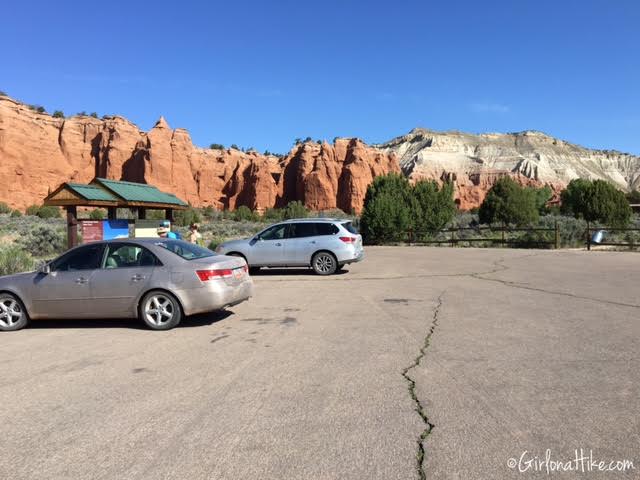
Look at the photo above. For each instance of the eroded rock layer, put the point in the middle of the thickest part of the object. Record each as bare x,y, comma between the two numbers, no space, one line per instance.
38,152
475,162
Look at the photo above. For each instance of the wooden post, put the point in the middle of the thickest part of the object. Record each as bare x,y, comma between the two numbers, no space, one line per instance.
503,228
169,214
72,226
142,213
112,213
453,237
557,232
588,236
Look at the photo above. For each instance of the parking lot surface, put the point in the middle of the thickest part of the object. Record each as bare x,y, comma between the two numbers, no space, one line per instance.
491,352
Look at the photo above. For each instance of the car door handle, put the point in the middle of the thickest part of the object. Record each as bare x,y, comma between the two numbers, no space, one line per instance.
137,278
312,241
278,244
81,280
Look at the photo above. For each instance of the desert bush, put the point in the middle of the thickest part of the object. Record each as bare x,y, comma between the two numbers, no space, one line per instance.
572,230
244,214
542,196
211,213
216,146
273,215
44,240
214,242
155,215
16,213
14,260
43,211
58,114
596,201
184,218
4,208
295,209
433,207
508,202
125,214
388,207
332,213
98,214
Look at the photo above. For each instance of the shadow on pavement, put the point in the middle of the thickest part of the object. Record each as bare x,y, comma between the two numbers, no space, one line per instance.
199,320
265,272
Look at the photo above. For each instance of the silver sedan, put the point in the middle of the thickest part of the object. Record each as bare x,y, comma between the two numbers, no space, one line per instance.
156,280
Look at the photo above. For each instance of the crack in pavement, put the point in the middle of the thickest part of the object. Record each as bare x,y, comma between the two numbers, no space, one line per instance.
501,267
429,426
498,267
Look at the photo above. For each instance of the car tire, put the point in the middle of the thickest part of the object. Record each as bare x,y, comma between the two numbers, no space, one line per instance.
160,310
324,263
13,315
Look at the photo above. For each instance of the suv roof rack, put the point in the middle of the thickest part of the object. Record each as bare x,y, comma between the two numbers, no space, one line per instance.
316,219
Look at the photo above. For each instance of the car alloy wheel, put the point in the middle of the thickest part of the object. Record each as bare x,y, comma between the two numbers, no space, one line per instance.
324,263
159,310
12,313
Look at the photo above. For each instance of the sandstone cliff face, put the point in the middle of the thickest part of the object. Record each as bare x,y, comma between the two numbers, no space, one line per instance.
475,162
38,152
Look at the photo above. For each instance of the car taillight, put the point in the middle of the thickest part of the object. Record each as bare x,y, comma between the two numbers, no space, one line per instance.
206,275
348,239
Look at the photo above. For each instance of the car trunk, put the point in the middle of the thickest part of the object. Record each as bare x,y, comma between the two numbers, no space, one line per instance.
236,265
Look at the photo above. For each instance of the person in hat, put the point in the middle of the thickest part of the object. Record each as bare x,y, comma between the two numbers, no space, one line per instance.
164,231
194,235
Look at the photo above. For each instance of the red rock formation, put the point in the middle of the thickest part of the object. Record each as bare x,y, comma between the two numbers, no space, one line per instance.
38,152
327,176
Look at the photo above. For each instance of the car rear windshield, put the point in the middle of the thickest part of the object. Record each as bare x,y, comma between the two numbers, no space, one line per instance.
350,228
188,251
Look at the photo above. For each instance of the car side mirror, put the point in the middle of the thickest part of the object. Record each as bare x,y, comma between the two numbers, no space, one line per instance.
45,269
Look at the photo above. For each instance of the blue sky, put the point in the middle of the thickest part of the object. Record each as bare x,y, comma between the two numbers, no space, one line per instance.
262,73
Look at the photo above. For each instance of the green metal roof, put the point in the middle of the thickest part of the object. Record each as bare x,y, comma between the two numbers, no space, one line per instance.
90,192
139,192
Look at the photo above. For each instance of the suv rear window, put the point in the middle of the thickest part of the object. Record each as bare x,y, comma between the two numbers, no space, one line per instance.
299,230
326,229
348,226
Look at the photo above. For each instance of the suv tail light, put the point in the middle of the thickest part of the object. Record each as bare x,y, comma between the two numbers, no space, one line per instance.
348,239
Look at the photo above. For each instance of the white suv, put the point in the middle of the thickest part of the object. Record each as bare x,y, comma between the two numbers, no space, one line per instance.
324,244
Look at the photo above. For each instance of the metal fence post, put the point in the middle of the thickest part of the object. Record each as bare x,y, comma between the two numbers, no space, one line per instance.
588,236
503,229
453,236
557,232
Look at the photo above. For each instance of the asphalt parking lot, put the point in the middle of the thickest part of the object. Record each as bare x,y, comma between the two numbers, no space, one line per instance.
522,351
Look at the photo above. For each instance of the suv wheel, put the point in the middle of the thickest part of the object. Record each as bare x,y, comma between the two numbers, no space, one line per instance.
324,263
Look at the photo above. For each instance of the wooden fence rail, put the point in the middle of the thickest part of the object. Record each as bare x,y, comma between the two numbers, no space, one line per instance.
418,237
591,230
